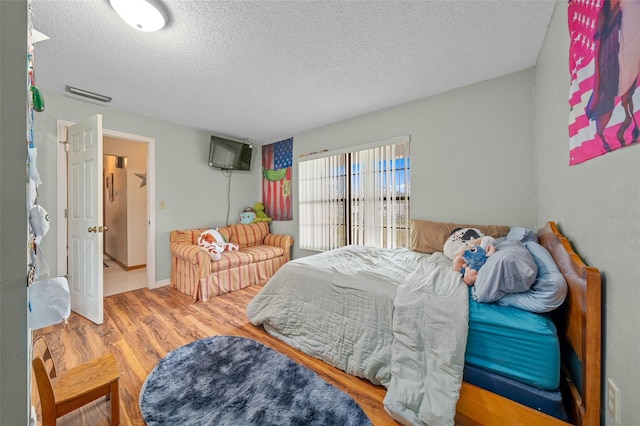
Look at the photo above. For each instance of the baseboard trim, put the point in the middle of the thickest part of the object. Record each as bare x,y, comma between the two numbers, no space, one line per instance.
162,283
123,266
131,268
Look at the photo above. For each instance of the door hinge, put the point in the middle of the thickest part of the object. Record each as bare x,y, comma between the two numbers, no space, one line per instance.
66,214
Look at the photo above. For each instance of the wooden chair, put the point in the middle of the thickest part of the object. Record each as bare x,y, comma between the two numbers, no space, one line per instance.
71,389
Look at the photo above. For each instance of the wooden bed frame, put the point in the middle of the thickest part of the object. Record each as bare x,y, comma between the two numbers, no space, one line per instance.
579,327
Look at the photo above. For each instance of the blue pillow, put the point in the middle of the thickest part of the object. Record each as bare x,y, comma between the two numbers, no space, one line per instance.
547,292
511,269
518,233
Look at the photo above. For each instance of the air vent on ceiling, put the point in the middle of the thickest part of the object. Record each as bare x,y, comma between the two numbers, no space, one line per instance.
87,94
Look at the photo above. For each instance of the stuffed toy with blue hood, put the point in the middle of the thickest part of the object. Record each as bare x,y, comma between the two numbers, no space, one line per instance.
472,256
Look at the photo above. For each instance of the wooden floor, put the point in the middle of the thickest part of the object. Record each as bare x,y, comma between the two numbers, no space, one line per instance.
140,327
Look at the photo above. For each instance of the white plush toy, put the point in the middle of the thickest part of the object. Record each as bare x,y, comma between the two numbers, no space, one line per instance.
215,243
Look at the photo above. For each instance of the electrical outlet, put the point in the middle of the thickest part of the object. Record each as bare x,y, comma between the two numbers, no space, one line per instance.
613,400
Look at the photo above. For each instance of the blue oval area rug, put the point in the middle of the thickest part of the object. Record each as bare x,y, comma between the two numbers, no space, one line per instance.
231,380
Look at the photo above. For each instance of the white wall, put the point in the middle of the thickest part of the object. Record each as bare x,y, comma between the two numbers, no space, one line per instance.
194,194
471,152
460,141
597,205
136,219
115,210
14,359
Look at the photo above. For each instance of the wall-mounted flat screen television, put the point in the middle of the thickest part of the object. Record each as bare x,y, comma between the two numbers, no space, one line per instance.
227,154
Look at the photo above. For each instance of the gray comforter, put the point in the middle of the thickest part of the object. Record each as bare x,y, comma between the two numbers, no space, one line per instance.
393,316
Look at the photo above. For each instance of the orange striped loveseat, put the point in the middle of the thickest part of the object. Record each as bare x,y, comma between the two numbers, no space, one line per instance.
260,255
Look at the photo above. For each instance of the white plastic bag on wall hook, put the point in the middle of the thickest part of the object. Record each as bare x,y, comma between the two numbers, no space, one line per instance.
49,302
39,221
31,164
32,194
42,267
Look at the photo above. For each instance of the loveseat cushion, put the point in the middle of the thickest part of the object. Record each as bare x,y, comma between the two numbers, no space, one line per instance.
225,231
231,259
187,236
247,235
263,252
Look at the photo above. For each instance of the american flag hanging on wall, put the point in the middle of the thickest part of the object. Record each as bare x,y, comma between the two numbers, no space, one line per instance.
604,60
277,160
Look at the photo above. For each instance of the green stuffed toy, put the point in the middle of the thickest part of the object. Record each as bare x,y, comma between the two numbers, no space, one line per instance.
261,216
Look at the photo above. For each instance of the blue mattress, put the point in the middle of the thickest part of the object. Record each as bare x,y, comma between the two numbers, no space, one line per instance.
549,402
513,343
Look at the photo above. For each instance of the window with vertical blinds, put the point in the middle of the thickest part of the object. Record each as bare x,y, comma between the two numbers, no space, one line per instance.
358,197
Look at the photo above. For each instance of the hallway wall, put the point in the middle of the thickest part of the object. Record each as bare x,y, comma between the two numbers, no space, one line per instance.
125,206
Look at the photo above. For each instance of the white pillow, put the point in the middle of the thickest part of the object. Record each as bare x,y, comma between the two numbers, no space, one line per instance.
458,238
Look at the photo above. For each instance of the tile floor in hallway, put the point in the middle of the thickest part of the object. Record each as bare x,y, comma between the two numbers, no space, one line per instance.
117,280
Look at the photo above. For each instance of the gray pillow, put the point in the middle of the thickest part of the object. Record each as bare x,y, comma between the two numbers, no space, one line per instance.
511,269
547,292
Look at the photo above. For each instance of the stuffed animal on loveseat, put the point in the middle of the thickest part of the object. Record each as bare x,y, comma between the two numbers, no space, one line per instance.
247,216
261,215
472,256
215,243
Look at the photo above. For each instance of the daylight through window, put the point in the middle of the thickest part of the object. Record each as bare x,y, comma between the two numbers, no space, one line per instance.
359,197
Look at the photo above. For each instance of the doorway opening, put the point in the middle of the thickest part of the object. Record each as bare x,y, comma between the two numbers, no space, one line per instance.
124,215
129,261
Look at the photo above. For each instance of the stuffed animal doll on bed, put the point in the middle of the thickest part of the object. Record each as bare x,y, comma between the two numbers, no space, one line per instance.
215,243
472,256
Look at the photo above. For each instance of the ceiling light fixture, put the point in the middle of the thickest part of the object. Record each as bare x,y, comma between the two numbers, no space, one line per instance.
87,94
143,15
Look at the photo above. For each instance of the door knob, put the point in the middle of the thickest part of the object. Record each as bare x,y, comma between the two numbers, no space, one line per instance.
106,228
97,228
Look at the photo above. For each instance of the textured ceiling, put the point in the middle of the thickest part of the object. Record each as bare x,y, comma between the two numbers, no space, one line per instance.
267,70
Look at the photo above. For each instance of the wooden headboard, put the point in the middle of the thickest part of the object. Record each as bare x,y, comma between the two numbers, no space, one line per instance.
579,324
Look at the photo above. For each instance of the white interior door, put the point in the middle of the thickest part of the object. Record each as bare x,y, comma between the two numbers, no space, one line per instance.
85,231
